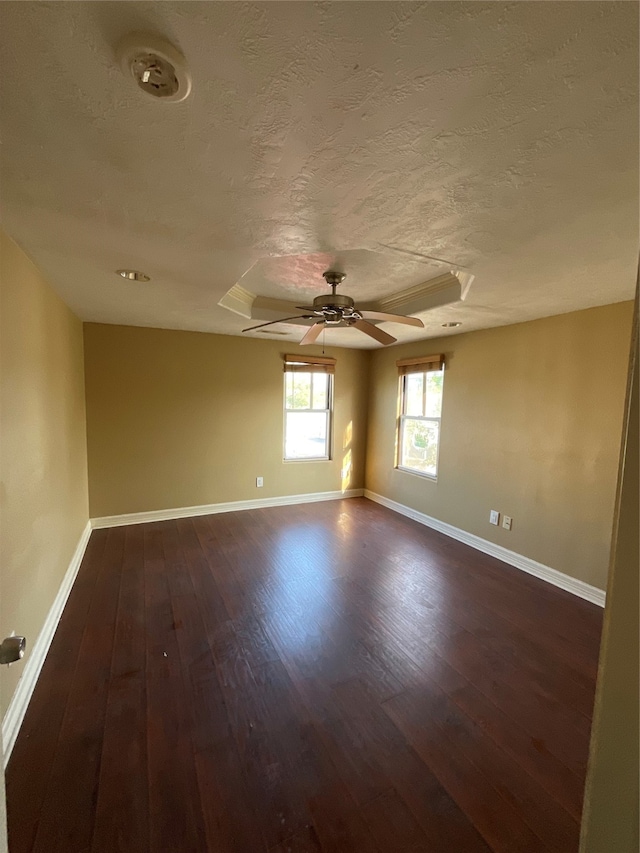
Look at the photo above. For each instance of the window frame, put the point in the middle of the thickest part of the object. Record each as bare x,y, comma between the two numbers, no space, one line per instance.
403,418
328,412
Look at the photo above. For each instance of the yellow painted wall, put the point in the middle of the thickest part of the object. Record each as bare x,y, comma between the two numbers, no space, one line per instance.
531,425
180,419
43,459
611,807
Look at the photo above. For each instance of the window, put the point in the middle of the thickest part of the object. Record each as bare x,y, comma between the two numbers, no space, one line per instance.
308,393
420,406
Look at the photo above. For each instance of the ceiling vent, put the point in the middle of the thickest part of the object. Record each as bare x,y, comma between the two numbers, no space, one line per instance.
157,67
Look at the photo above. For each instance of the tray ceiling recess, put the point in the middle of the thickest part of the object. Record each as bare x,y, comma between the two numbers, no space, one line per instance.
387,282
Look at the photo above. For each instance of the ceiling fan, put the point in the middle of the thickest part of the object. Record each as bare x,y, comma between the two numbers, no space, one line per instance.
332,309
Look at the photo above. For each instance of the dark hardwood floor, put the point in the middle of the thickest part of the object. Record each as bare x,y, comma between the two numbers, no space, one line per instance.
323,677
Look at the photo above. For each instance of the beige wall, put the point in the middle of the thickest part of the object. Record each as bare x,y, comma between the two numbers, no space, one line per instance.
531,426
182,418
610,821
43,460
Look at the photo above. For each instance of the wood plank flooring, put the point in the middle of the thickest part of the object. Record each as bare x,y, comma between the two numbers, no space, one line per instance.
323,677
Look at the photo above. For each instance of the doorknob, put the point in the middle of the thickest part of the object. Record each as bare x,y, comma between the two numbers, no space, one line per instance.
12,649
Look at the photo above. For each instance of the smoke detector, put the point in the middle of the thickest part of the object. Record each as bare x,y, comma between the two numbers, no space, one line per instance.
134,275
157,67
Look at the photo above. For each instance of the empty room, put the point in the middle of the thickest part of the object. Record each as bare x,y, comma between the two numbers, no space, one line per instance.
319,427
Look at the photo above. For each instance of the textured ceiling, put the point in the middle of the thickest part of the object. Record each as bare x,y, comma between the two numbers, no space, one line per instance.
499,137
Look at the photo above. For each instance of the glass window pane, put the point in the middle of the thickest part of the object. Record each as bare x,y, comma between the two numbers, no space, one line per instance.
320,391
434,393
419,445
300,397
306,435
288,390
414,383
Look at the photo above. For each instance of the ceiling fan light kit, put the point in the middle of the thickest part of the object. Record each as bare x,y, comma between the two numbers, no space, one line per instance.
337,309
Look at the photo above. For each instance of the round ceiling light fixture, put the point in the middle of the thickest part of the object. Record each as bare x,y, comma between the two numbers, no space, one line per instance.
157,67
134,275
451,325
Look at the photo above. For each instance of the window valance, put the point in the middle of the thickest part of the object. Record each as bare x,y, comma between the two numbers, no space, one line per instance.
421,364
309,364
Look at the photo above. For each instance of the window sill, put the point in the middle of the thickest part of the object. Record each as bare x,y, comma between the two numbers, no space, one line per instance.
309,459
423,474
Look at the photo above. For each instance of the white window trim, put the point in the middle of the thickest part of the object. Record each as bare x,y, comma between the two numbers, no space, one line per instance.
400,434
328,412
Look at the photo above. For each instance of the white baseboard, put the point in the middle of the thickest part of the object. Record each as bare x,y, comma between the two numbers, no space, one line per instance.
211,509
546,573
20,700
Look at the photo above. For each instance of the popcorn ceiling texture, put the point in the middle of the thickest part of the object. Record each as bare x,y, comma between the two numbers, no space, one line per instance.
372,274
499,136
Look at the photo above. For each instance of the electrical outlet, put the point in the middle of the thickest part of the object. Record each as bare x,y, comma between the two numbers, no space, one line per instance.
506,522
494,517
259,482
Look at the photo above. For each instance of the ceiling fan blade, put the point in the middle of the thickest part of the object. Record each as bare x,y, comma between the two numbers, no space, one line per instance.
312,334
374,332
307,308
283,320
392,318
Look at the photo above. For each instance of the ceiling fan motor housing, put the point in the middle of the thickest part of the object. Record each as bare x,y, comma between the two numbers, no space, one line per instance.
338,306
333,301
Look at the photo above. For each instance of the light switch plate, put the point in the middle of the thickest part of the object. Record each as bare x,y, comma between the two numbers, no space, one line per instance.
494,517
